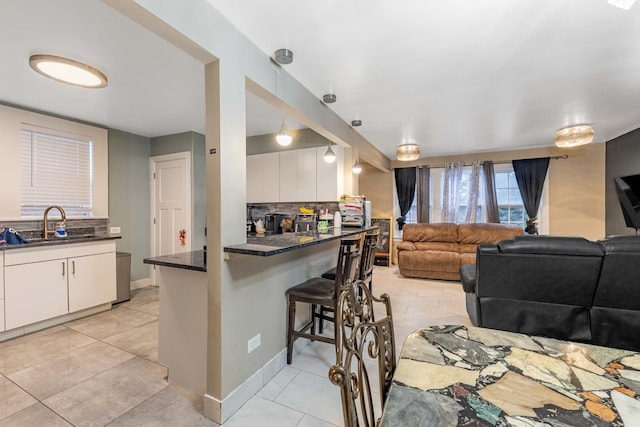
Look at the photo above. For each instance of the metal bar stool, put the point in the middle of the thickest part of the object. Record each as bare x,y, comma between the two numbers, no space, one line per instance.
318,291
365,269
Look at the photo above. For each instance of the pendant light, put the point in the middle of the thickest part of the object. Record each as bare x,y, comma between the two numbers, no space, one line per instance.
283,57
329,156
356,167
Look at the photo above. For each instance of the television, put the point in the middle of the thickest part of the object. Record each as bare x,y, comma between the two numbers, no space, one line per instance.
628,191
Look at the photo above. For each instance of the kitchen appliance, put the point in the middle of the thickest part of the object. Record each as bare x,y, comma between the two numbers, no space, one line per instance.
306,222
355,211
272,222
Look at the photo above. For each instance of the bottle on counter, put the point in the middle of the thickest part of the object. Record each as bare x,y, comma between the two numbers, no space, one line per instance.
337,220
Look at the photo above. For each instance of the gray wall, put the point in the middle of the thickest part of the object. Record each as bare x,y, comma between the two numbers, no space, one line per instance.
129,197
194,143
622,158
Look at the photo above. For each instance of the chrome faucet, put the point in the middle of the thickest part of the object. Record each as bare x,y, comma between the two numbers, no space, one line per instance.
45,228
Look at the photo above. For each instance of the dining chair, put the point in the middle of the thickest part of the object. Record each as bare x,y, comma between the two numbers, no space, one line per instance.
365,354
318,291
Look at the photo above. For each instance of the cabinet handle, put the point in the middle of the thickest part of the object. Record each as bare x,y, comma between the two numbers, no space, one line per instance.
73,267
63,268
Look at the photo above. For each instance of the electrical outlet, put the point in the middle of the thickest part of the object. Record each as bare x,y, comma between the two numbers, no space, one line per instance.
114,230
253,343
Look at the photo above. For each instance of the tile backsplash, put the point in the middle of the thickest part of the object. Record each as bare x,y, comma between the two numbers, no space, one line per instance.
257,211
30,229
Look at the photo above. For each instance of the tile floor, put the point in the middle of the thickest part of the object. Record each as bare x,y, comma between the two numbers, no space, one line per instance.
103,369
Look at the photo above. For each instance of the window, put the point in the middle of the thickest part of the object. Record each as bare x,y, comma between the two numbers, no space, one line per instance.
510,206
56,170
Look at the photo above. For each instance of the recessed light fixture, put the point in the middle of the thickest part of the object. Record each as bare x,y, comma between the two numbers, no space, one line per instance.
408,152
574,135
329,98
68,71
356,123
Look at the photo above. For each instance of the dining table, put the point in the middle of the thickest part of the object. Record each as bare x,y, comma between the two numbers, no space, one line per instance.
453,375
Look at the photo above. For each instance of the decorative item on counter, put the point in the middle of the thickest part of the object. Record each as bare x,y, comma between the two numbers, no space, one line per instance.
286,224
323,227
306,211
61,229
337,220
182,236
260,229
9,236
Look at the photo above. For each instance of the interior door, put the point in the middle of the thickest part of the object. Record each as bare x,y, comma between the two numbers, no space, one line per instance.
171,202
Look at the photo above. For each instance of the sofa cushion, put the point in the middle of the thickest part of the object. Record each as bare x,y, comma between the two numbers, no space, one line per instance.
467,258
443,261
475,233
436,246
406,246
439,232
550,245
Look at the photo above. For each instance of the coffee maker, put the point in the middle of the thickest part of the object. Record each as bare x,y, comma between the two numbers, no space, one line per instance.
272,222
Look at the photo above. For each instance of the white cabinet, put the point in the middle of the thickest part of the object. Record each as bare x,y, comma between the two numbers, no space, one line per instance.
46,282
35,292
92,281
330,176
298,175
263,177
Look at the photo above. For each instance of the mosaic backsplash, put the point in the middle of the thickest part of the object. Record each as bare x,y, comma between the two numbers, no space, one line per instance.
30,229
257,211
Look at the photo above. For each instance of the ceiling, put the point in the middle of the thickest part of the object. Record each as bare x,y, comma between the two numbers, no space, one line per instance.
454,76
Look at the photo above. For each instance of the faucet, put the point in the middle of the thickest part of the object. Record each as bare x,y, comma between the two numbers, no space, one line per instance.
45,228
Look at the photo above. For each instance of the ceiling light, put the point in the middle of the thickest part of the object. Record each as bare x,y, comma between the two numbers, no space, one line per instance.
622,4
356,167
329,156
283,56
284,137
408,152
356,123
68,71
329,98
574,136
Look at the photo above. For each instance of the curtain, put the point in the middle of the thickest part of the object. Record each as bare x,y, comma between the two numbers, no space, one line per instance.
405,188
491,198
472,197
530,175
451,192
424,196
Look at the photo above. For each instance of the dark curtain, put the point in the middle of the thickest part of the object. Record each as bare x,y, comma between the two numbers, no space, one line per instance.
491,201
530,175
424,189
405,188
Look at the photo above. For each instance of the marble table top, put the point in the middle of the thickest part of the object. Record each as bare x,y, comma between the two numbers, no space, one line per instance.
468,376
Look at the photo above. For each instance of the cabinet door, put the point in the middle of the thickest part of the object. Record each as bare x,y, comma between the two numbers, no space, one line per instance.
92,280
35,292
307,167
289,176
263,177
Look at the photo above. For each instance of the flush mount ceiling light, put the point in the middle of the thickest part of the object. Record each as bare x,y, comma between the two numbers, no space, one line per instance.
622,4
68,71
356,167
356,123
329,156
329,98
408,152
574,136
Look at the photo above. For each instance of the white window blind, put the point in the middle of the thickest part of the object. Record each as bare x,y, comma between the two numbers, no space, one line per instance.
56,170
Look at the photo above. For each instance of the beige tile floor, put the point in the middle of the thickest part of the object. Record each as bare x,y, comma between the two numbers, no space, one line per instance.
103,369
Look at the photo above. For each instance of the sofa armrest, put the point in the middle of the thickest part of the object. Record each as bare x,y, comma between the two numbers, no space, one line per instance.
406,246
468,277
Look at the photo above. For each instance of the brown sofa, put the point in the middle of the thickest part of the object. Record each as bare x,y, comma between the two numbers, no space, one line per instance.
436,251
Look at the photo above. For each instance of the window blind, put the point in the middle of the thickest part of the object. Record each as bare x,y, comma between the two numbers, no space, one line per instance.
56,170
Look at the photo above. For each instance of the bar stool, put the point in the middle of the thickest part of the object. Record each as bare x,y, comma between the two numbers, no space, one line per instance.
365,269
318,291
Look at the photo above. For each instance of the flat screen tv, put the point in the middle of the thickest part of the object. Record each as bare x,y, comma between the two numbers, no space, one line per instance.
628,191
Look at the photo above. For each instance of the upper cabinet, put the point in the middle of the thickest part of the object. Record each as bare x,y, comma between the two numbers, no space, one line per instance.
295,176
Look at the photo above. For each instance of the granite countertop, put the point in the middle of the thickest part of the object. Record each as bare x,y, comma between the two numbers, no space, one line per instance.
56,241
275,244
456,375
196,260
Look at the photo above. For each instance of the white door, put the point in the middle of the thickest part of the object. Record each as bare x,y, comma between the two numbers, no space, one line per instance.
171,204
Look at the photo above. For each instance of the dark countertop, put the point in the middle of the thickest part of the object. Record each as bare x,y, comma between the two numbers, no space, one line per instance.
279,243
56,241
195,260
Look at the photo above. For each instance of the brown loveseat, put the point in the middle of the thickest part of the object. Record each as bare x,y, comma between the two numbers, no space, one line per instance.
436,251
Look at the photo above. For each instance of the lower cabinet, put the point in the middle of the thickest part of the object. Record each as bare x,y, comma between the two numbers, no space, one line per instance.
41,284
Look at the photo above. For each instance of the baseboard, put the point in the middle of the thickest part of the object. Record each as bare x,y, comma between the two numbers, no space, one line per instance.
141,283
221,410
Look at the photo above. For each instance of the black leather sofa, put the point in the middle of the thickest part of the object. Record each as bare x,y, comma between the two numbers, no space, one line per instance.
561,287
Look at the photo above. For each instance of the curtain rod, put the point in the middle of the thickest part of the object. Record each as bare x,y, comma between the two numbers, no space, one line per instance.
501,162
